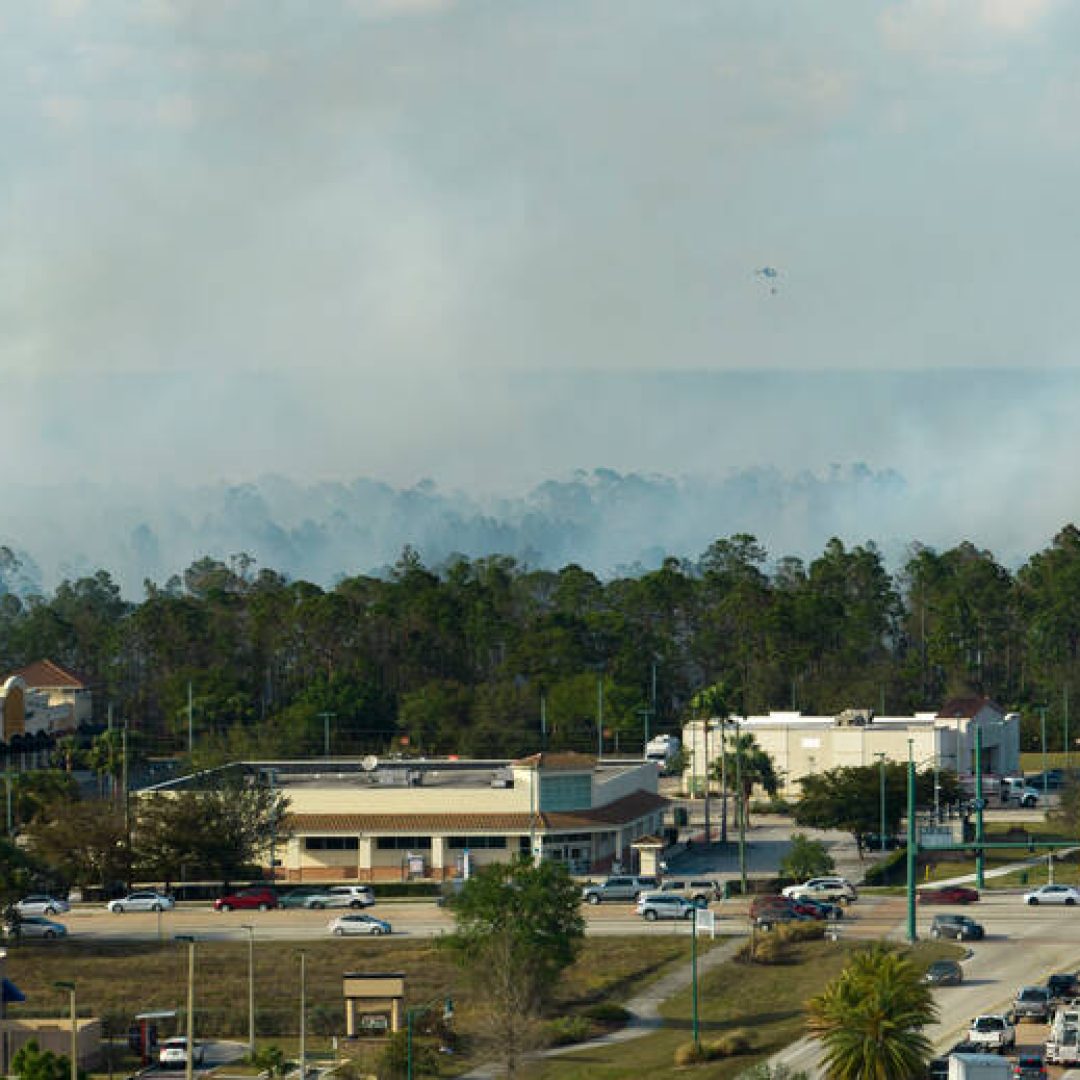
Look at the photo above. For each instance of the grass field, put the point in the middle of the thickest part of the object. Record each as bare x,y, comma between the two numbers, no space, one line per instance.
766,1000
115,981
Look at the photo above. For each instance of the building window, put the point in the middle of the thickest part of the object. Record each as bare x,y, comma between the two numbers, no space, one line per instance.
460,843
331,843
573,792
403,843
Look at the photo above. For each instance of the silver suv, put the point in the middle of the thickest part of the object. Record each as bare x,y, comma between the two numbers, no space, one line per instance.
823,888
700,890
619,888
661,905
351,896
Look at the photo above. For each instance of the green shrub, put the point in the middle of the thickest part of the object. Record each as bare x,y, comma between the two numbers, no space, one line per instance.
690,1054
764,949
802,931
607,1012
564,1030
730,1044
892,870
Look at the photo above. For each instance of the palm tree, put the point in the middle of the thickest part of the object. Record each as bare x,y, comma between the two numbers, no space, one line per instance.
870,1018
755,767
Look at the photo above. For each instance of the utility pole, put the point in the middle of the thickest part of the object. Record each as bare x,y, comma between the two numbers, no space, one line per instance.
543,720
912,839
1065,725
980,859
881,784
740,803
599,718
1045,779
303,1016
326,718
190,721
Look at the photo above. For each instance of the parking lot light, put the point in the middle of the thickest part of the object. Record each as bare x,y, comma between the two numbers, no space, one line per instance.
189,1057
70,988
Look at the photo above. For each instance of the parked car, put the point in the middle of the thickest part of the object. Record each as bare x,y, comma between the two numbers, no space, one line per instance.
659,905
944,973
41,904
141,901
700,890
257,898
298,897
1063,986
817,909
823,888
992,1031
768,920
358,924
768,902
1053,894
948,894
619,888
1032,1003
1030,1067
871,842
35,926
172,1053
351,896
958,927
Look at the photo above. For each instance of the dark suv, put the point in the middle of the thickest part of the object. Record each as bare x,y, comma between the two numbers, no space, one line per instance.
959,927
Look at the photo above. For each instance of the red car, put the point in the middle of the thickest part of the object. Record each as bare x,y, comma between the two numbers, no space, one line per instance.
256,898
949,894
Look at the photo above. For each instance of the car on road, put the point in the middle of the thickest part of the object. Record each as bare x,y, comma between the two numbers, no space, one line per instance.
296,898
957,927
622,887
358,924
40,904
823,888
1032,1003
700,890
944,973
817,909
257,898
992,1031
653,906
948,894
35,926
1063,986
350,896
1029,1067
1055,779
1026,797
172,1053
770,919
1053,894
141,901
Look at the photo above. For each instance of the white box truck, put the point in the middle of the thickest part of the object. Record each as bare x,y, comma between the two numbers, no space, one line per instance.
661,749
979,1067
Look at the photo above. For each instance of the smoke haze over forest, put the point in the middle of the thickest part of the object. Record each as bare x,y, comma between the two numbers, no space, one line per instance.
598,280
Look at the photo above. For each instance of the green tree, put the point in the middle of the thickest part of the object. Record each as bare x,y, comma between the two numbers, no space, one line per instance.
870,1018
33,1063
82,842
517,927
806,858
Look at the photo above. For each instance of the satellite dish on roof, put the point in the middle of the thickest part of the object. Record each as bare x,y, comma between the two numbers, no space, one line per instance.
370,763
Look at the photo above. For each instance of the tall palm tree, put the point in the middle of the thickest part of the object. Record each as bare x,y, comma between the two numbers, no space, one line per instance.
756,767
870,1018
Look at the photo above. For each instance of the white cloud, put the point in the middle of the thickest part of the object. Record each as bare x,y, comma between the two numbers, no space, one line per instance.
64,110
388,9
937,27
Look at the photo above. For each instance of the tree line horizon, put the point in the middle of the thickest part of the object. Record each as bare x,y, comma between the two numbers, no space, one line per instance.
489,657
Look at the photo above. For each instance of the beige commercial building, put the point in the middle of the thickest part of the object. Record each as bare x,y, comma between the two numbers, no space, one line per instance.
403,819
802,745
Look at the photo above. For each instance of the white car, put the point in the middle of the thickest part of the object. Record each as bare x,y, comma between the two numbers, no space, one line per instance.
173,1053
141,901
1053,894
35,926
823,888
40,904
358,924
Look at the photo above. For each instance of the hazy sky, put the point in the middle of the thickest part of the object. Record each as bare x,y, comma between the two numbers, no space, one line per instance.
464,239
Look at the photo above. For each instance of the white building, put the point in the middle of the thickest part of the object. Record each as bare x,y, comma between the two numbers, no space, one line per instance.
802,745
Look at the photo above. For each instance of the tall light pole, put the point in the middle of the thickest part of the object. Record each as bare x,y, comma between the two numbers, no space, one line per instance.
189,1056
251,988
70,988
303,1016
1042,727
911,841
693,978
740,804
326,717
980,859
881,785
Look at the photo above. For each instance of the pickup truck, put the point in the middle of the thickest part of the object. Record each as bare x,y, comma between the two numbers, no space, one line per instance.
1032,1003
992,1031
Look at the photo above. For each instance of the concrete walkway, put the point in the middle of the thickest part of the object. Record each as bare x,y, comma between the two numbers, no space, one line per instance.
1001,871
644,1010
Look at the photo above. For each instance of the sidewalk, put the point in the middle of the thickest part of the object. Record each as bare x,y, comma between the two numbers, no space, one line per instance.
644,1010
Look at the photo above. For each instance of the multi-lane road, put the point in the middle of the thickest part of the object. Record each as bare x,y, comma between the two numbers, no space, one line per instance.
1023,944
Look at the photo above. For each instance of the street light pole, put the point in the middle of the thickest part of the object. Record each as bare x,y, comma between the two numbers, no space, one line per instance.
1042,726
189,1057
70,988
911,843
740,803
326,718
303,1016
881,785
251,988
693,978
980,861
